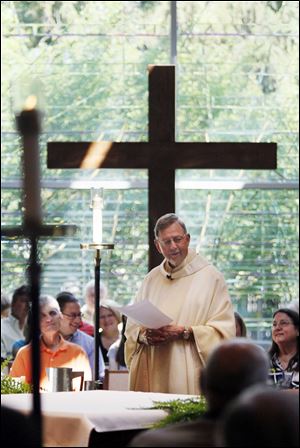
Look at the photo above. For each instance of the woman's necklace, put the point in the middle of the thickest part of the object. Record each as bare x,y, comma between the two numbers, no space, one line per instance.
284,361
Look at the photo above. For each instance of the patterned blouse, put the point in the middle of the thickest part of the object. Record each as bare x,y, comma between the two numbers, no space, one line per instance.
283,378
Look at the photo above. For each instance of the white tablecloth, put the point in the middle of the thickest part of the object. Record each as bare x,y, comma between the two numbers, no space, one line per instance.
68,417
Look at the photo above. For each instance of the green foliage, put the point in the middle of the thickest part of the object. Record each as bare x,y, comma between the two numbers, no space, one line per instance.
10,385
237,80
180,410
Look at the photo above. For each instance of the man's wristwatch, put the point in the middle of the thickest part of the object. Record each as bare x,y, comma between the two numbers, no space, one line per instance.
186,334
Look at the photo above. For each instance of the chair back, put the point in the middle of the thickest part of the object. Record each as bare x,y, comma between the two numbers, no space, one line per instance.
116,380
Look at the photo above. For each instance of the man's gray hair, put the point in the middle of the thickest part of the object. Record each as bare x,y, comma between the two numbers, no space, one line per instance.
47,299
165,221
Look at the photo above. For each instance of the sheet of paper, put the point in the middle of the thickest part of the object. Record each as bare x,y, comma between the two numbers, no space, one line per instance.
145,314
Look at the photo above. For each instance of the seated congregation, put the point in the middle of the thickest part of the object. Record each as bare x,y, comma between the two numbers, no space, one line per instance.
251,394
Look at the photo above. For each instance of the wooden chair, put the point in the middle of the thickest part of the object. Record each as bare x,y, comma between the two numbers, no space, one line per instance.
116,380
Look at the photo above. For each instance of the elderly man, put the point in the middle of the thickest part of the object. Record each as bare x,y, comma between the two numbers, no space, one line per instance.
54,350
12,327
232,367
193,293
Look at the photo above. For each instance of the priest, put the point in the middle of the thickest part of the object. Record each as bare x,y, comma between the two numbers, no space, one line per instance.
186,287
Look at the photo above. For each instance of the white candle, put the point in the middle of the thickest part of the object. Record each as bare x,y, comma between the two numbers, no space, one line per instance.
29,127
97,204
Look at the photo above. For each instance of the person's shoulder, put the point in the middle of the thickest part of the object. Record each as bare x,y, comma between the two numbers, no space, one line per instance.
7,322
152,273
23,351
84,336
73,347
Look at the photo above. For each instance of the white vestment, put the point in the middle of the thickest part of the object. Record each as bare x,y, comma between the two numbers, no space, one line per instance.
196,297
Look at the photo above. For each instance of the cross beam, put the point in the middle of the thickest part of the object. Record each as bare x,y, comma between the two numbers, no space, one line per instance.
161,155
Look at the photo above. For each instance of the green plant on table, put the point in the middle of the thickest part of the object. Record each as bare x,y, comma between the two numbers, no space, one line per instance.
10,385
180,410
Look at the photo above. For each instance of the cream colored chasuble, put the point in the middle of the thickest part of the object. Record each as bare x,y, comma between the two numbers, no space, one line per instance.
197,297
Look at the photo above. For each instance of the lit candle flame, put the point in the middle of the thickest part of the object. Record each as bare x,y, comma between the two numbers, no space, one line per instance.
30,103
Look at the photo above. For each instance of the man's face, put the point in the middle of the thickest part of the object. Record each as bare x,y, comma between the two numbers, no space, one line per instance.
71,319
50,318
21,307
173,244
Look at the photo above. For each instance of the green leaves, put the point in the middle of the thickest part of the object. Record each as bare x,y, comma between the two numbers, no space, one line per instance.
10,385
180,410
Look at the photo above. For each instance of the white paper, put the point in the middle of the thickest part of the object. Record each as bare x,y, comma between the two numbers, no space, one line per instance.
145,314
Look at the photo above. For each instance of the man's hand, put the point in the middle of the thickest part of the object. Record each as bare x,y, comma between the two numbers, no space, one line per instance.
163,335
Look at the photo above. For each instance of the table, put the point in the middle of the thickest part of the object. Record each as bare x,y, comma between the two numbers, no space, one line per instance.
69,417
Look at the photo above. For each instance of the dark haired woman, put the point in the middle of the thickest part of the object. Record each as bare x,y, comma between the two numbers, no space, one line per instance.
284,352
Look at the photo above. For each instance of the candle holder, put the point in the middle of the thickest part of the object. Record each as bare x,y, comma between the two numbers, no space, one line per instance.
97,247
29,127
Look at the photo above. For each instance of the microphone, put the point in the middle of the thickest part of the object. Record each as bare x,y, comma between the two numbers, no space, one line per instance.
169,276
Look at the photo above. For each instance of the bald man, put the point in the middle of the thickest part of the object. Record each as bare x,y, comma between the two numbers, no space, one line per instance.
262,417
232,367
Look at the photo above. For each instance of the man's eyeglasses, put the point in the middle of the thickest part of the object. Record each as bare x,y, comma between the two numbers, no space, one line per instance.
73,316
176,240
282,323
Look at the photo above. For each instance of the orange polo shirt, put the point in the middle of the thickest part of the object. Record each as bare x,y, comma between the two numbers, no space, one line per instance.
66,355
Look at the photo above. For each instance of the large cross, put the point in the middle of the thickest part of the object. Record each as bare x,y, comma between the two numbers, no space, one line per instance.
161,155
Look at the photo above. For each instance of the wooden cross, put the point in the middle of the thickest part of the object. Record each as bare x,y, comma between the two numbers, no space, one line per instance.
161,155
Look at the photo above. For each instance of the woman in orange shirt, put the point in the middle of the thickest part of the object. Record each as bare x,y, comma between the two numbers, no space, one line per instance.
54,350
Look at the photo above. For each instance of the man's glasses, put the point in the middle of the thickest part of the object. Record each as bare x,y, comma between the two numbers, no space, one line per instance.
73,316
282,323
176,240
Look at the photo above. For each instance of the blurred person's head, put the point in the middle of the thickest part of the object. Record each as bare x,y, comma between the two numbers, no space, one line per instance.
20,303
240,326
5,305
232,366
72,285
109,318
71,314
261,417
90,294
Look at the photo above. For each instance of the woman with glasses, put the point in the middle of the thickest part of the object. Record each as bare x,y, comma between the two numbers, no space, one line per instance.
284,352
54,350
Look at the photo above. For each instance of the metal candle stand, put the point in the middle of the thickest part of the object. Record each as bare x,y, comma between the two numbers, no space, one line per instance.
97,247
28,123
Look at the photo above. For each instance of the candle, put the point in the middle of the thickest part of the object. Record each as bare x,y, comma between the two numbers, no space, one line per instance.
97,204
28,122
